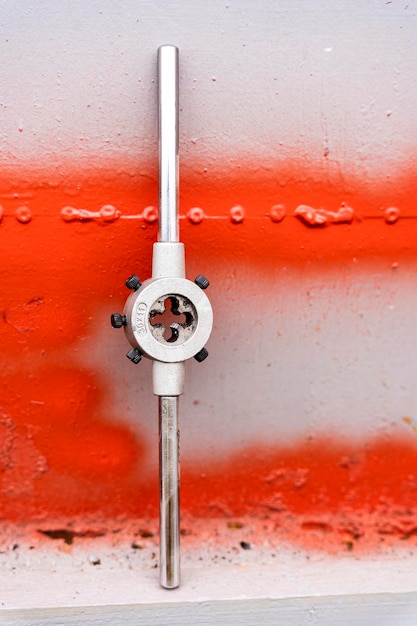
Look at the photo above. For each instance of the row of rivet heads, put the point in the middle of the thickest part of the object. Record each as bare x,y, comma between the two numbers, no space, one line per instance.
307,214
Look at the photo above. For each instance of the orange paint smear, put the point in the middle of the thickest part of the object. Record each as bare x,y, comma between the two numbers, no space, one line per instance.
319,494
62,453
317,476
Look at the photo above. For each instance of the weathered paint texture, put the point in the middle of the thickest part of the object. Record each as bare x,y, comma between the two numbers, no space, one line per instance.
298,191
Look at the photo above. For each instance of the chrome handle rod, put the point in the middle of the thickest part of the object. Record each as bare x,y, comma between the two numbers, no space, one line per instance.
169,505
169,540
168,143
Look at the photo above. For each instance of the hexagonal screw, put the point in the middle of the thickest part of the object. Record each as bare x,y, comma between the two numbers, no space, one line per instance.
133,282
202,281
200,356
134,355
117,320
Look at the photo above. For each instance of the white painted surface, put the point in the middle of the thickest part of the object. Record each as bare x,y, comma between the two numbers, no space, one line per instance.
387,610
325,352
221,585
261,80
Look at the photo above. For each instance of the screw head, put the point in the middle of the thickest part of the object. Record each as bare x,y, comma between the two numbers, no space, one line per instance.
134,355
202,281
133,282
200,356
117,320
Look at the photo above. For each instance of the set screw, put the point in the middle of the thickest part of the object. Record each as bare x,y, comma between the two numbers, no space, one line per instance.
134,355
133,282
200,356
117,320
202,281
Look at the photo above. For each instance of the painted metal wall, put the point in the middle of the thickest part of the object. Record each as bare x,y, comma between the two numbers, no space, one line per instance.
298,134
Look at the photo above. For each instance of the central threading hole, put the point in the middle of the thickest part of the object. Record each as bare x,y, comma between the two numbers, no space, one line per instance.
172,319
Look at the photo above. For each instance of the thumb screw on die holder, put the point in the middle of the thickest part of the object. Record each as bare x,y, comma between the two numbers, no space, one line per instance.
133,282
201,355
117,320
202,281
134,355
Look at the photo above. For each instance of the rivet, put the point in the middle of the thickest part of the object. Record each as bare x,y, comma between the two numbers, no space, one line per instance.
109,213
196,215
391,215
277,213
69,214
150,214
237,214
344,215
310,216
23,214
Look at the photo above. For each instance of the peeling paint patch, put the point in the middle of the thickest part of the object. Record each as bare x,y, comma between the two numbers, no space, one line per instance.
68,535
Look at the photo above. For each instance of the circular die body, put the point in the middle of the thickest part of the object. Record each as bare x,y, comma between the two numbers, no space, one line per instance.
144,305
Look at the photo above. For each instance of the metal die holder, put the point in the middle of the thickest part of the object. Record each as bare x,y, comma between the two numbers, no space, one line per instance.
146,303
168,318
